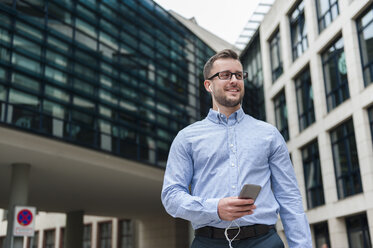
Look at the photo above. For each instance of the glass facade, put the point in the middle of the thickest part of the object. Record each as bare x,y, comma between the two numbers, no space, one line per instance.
104,235
298,30
335,74
87,236
281,114
312,175
346,162
306,110
365,30
327,11
321,232
85,73
275,53
253,102
358,231
49,239
125,234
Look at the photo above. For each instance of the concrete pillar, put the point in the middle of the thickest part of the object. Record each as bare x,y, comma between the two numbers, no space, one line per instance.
74,229
18,196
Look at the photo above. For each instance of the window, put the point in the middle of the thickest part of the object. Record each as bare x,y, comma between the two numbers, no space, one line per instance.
327,11
312,175
125,234
62,238
346,163
104,235
281,114
335,74
370,113
365,30
253,101
358,231
298,31
87,236
2,242
49,238
33,242
275,53
321,232
306,112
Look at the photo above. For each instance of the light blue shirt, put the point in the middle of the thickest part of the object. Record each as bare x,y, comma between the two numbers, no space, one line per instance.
216,157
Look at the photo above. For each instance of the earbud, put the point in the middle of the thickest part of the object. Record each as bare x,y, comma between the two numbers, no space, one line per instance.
210,88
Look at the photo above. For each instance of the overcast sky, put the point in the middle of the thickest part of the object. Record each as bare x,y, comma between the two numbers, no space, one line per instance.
224,18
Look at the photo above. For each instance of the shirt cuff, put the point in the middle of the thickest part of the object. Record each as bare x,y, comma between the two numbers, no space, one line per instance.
212,208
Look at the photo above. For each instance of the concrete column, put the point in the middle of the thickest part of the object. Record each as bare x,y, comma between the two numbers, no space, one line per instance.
74,229
18,196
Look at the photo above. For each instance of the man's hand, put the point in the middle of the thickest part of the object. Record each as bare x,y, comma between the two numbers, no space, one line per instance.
232,208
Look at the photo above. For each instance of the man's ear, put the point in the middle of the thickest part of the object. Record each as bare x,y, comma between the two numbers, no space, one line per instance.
207,85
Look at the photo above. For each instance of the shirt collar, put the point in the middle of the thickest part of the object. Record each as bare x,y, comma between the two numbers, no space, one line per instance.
217,117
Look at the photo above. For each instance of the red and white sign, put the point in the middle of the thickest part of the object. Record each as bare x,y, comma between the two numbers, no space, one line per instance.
24,221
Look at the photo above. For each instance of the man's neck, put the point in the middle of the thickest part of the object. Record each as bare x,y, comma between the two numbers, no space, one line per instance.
227,111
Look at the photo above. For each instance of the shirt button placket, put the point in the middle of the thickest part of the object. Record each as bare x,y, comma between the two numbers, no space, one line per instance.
232,159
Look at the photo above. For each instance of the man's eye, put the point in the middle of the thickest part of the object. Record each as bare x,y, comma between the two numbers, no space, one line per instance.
225,74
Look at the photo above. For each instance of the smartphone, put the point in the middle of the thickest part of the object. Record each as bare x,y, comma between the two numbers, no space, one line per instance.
250,191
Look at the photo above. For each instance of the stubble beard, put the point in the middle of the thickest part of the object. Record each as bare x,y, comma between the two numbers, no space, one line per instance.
226,102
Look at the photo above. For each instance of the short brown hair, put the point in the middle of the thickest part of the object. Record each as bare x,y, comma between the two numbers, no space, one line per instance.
224,54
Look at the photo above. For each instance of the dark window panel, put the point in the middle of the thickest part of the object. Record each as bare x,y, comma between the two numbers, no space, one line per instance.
281,114
312,175
346,163
298,30
335,74
365,30
370,113
104,235
358,231
276,57
327,11
321,232
304,92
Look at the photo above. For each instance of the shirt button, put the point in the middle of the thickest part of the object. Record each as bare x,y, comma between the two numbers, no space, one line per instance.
231,145
233,187
232,164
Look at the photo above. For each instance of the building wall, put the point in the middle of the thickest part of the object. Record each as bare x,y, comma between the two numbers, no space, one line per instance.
157,232
335,210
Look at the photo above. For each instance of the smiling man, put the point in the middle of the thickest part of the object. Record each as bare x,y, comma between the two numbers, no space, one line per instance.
220,154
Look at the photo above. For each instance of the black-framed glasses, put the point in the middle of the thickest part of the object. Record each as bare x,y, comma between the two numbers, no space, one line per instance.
225,75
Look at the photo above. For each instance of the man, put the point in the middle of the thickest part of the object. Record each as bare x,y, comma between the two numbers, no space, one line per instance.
215,157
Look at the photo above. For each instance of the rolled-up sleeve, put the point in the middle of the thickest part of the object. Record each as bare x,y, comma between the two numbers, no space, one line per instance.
175,195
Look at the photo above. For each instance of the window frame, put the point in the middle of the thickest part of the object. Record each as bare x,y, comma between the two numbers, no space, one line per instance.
84,236
45,237
295,25
303,84
342,85
99,235
279,102
370,117
321,19
313,161
324,232
369,65
364,227
347,177
275,42
131,235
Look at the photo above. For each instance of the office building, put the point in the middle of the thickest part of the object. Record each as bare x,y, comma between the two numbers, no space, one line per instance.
92,94
316,62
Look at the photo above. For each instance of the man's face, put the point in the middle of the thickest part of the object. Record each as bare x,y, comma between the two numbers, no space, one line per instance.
229,92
